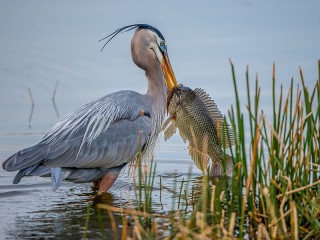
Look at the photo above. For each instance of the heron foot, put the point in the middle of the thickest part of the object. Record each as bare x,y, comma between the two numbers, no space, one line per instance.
141,113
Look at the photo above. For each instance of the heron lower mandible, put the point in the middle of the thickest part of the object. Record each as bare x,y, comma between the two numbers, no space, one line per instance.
93,143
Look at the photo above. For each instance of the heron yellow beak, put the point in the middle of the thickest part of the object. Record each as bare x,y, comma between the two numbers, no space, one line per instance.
168,72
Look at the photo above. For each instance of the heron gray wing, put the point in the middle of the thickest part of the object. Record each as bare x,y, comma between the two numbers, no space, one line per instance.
115,146
96,116
81,137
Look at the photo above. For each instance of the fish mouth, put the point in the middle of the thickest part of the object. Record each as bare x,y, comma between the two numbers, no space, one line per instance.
172,92
182,91
168,73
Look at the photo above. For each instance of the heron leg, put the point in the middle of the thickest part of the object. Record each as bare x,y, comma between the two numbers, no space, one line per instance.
104,184
107,181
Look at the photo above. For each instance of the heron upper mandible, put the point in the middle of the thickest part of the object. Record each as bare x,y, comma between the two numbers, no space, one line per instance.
93,143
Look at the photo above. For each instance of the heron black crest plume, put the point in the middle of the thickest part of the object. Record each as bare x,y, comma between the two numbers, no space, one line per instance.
129,28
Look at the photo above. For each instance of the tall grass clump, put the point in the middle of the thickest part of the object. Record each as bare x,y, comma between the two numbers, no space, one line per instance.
274,192
281,196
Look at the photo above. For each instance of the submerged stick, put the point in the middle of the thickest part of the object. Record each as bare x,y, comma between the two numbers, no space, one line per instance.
54,99
32,107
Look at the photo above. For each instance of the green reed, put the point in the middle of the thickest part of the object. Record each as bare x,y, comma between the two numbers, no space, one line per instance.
274,192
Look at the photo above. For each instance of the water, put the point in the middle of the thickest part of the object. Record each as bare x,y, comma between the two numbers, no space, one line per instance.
42,43
32,209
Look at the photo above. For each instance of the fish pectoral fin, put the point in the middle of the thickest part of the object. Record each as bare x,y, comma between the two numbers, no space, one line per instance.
166,123
200,159
169,131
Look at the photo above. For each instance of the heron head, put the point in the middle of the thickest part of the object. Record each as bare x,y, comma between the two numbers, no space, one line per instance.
148,44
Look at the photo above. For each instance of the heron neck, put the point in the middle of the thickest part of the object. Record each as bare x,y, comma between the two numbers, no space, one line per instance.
157,89
157,94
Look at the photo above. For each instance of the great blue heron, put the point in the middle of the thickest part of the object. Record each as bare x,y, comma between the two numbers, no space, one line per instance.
93,143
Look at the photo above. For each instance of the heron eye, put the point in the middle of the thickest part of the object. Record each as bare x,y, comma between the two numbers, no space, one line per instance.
163,46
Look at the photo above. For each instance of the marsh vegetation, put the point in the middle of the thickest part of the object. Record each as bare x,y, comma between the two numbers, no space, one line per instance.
274,191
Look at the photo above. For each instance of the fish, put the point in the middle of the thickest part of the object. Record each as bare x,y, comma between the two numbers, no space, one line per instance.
201,124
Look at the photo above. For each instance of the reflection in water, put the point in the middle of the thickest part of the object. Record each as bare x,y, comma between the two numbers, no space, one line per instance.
64,219
201,183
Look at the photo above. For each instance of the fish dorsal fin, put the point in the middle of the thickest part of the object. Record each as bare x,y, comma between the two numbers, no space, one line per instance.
225,133
201,160
209,103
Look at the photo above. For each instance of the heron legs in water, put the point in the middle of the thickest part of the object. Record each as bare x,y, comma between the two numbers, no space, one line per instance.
105,183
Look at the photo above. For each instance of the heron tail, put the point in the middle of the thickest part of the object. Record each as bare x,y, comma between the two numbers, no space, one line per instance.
41,171
35,170
56,178
25,158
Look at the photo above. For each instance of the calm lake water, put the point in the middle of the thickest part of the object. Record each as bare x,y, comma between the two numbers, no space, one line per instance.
43,42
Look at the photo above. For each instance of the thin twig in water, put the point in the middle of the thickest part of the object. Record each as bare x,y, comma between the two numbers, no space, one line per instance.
32,107
54,99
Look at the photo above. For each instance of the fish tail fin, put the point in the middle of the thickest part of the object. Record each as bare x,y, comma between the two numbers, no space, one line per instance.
217,168
229,165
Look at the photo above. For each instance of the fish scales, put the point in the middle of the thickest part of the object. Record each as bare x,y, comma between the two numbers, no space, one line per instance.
200,122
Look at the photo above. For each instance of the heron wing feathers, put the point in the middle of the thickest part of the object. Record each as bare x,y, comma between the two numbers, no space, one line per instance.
25,158
113,147
102,133
91,119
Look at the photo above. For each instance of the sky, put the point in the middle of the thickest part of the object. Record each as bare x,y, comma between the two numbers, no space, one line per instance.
44,41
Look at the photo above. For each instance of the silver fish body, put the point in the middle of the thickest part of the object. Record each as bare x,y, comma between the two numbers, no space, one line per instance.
200,122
